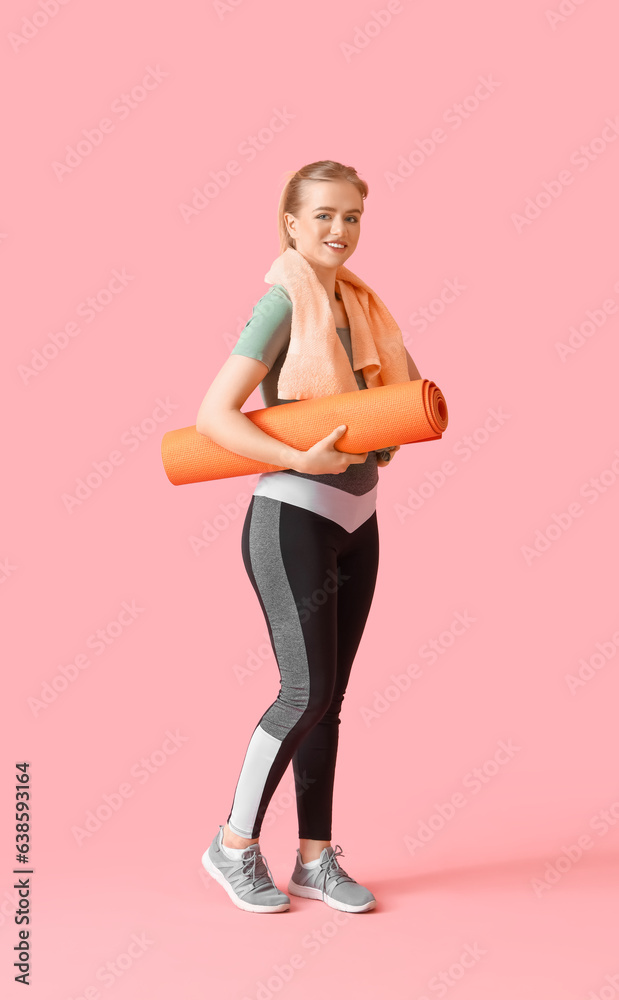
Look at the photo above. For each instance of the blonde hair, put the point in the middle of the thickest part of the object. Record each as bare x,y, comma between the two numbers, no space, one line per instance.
292,196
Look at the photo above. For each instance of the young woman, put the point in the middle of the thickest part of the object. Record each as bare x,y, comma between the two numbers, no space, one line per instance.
310,549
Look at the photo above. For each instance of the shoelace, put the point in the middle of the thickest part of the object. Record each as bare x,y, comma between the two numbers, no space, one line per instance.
257,877
333,869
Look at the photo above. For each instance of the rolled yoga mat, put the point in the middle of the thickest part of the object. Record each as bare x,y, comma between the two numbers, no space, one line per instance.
401,413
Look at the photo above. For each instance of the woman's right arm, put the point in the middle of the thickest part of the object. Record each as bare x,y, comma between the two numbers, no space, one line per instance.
220,418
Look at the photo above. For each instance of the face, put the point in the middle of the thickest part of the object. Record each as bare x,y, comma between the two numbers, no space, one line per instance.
331,213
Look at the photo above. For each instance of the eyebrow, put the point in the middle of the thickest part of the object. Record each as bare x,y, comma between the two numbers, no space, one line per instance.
329,208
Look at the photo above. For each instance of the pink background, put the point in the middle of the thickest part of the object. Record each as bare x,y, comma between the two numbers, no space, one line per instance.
174,667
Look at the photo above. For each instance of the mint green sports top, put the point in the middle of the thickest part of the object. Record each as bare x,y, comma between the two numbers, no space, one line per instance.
267,335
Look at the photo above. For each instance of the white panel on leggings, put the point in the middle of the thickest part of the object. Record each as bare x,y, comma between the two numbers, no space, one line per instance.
261,753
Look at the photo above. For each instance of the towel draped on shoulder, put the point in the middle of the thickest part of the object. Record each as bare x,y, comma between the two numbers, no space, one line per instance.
316,363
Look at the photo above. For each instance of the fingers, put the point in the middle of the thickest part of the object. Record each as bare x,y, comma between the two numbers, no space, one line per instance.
355,458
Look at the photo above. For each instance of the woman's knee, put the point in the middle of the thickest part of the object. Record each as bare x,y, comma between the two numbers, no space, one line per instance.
325,709
312,712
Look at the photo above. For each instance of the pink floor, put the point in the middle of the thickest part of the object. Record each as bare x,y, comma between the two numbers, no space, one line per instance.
470,933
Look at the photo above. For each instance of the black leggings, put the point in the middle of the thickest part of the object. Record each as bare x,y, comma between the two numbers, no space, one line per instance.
315,582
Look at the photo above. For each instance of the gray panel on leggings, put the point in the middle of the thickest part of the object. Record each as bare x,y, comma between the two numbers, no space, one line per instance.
272,579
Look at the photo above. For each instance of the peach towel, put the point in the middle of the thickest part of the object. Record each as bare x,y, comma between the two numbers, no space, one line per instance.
317,363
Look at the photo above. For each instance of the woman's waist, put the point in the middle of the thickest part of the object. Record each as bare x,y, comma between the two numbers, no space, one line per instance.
318,492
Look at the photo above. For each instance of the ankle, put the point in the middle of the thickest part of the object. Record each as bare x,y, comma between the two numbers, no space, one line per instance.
312,852
230,839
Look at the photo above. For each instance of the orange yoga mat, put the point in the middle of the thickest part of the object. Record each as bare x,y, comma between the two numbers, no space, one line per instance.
403,413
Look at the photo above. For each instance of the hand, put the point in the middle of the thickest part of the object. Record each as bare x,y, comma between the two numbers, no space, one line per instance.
323,458
381,461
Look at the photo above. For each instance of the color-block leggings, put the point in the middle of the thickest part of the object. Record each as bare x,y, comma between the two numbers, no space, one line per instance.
315,582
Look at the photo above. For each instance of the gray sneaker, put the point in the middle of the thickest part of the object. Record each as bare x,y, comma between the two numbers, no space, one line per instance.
328,881
247,880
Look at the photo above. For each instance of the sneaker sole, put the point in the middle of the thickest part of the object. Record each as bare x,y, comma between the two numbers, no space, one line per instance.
241,903
308,892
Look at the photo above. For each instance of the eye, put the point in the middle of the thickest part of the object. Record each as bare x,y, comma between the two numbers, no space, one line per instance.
351,218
